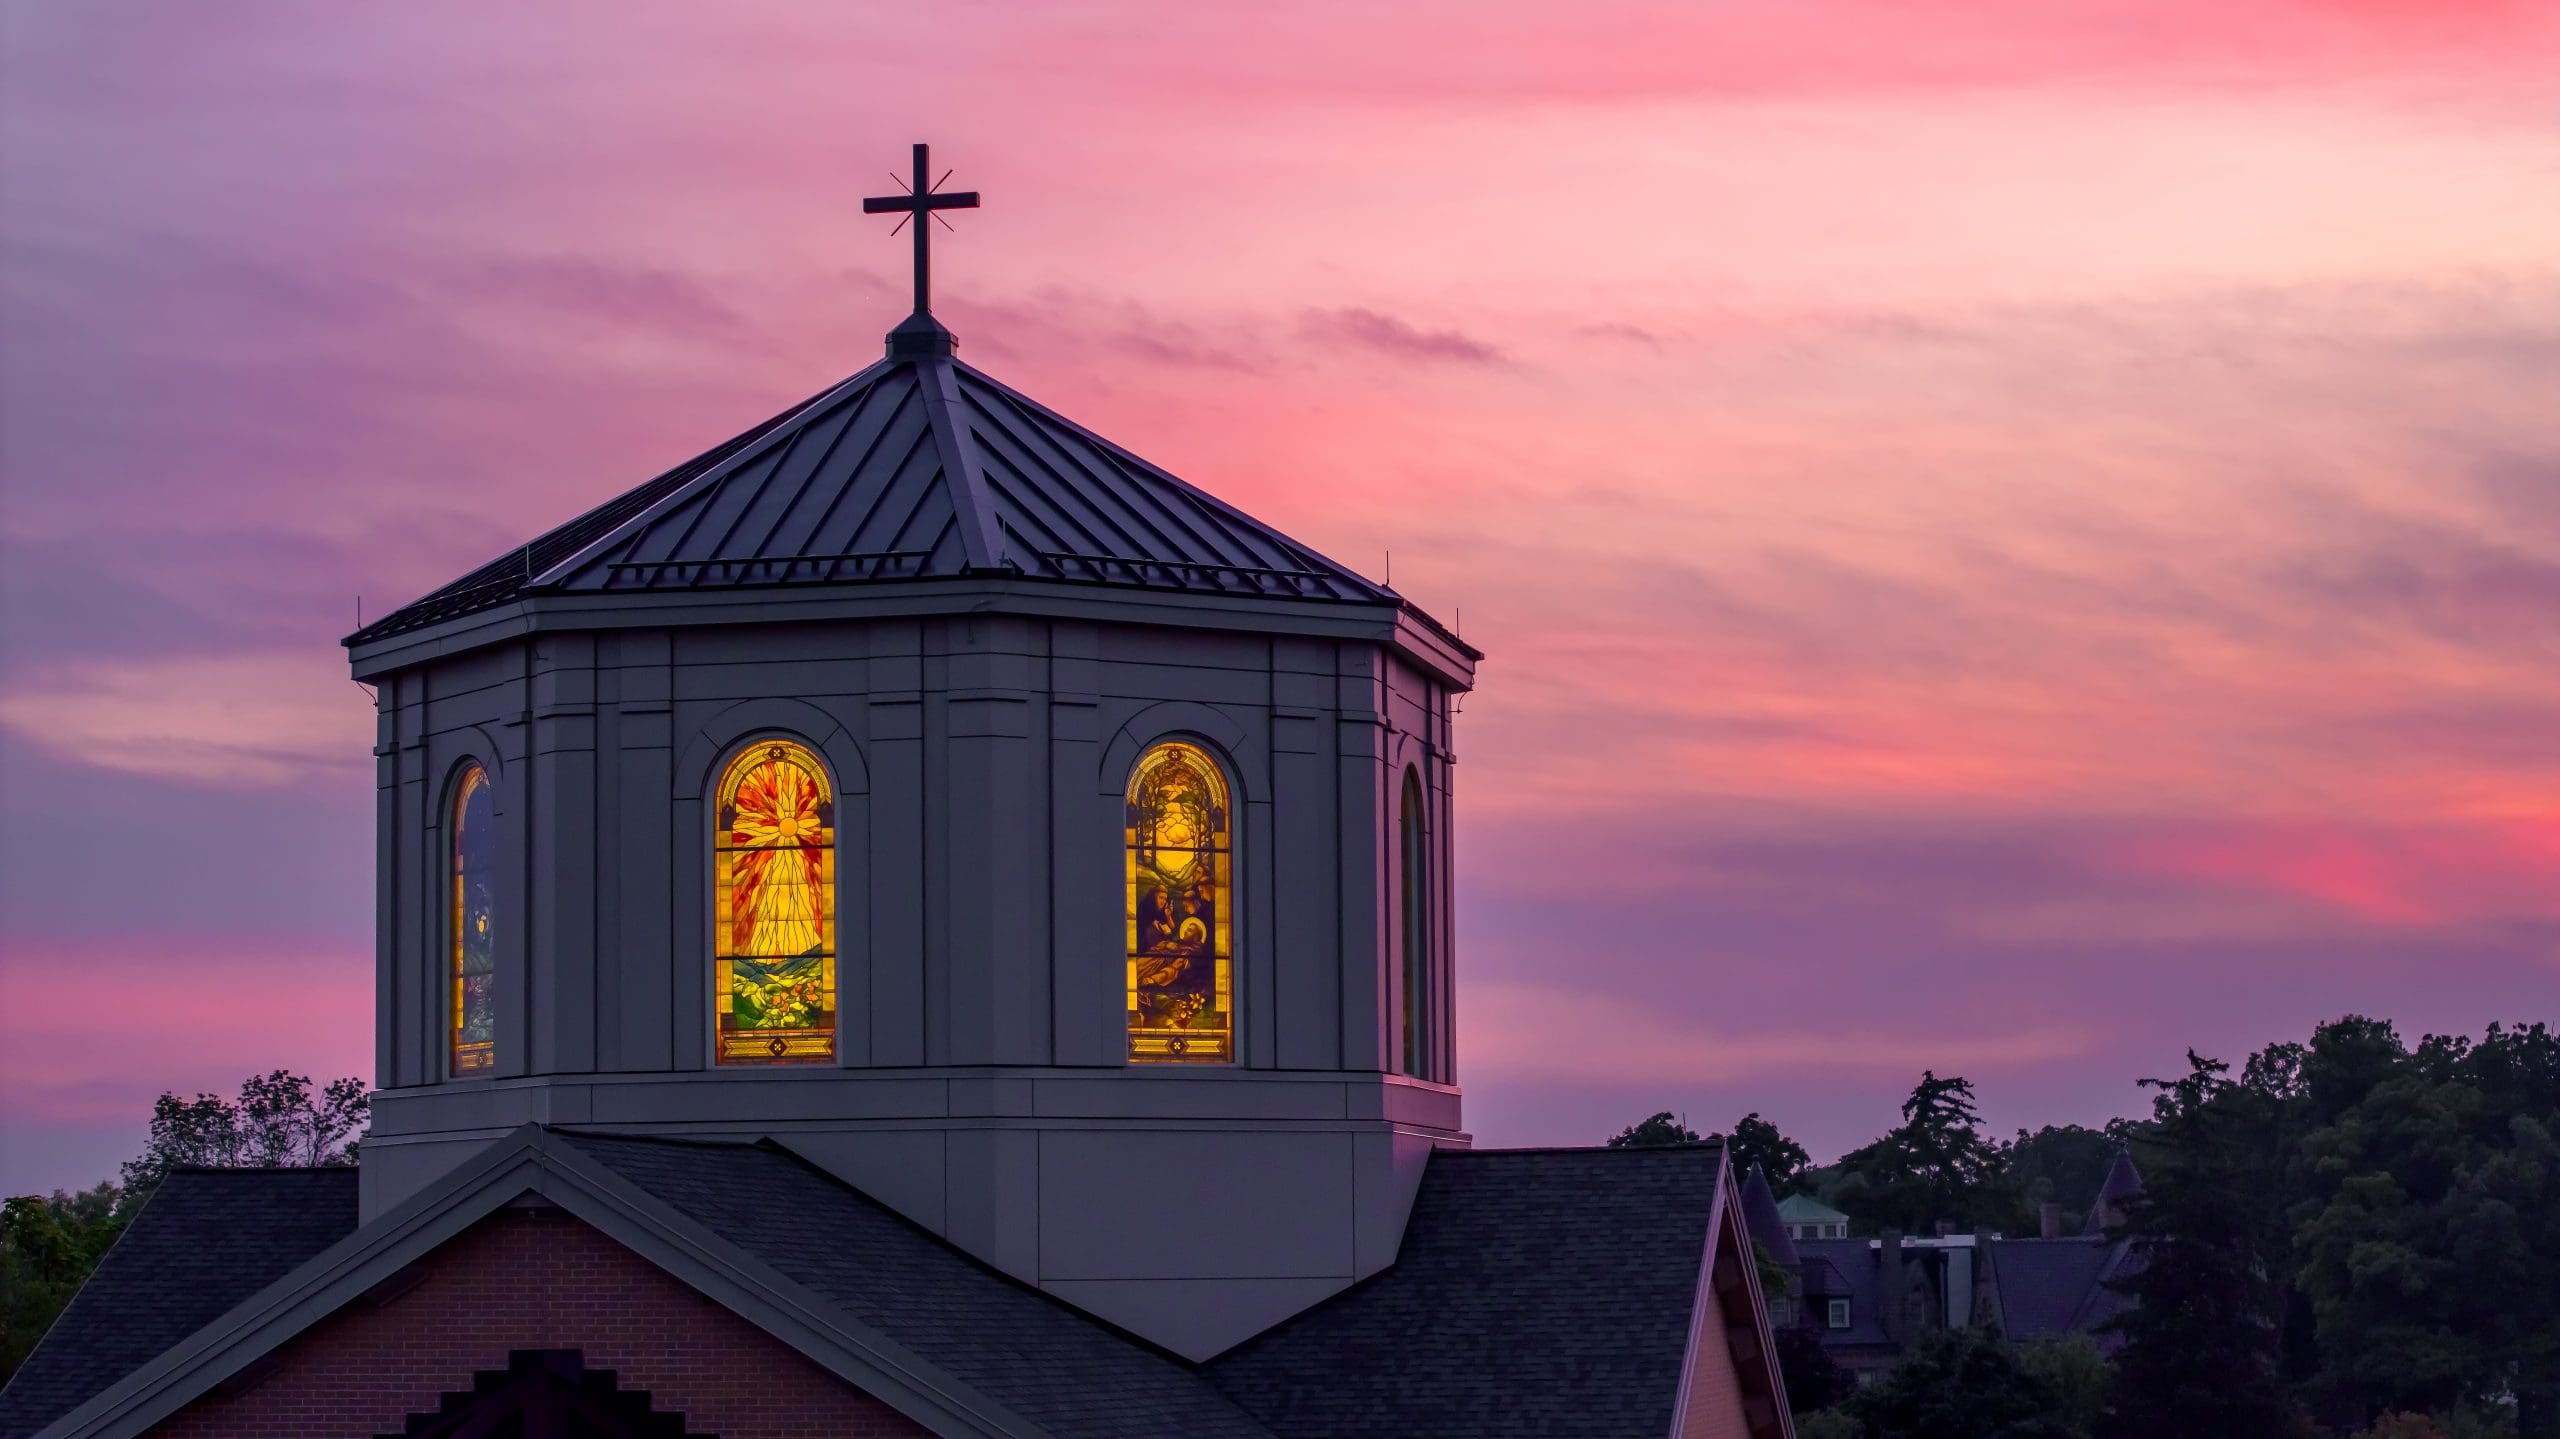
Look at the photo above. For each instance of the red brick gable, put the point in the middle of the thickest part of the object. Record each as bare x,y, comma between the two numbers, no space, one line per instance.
542,1280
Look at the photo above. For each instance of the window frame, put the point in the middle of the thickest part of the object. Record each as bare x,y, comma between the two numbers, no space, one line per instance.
1416,1035
1835,1314
470,775
717,987
1231,924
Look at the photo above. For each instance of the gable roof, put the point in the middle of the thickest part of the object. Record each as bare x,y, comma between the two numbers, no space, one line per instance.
1065,1371
1850,1269
1579,1268
1598,1273
824,1312
916,468
205,1240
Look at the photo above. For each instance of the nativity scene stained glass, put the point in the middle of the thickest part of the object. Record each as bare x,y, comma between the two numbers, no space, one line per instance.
774,915
1181,901
474,922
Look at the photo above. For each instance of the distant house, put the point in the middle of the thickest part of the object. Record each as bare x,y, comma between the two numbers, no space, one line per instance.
1809,1218
1868,1298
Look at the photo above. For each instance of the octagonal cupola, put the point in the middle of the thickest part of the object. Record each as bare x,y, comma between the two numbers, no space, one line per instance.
932,786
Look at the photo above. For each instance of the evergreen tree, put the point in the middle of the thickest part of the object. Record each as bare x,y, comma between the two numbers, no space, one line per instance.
2199,1353
1937,1164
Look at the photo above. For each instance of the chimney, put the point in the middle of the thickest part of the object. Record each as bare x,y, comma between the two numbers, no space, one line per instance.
2049,1220
1891,1290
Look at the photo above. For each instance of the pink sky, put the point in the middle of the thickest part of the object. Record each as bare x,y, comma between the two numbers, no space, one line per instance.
2058,502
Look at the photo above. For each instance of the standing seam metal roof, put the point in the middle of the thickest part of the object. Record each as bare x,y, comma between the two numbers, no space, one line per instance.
919,468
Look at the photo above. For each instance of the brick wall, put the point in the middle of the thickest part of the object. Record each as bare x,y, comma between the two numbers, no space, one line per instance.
540,1281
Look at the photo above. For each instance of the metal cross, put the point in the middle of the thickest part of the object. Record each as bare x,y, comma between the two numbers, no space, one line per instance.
918,203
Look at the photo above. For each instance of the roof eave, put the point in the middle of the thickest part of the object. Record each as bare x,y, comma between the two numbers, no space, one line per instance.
1393,624
531,1161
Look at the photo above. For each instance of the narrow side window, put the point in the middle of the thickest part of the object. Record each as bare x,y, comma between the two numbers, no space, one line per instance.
474,920
1181,900
774,908
1416,937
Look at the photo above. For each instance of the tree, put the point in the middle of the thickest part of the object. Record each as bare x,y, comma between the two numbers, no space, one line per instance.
1756,1141
1960,1384
2426,1176
47,1248
2079,1375
1814,1379
2060,1164
2199,1353
1935,1165
1653,1132
276,1122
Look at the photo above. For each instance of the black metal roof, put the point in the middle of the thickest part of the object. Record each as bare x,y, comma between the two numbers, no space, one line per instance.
919,467
1538,1293
205,1240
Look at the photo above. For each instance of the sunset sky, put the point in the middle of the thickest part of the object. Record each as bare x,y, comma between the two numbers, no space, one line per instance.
2014,537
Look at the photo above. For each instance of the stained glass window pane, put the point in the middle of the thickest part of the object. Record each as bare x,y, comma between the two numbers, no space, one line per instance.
474,921
774,908
1181,935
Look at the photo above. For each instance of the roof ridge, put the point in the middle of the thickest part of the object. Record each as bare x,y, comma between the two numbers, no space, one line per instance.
1114,448
981,529
1689,1147
793,421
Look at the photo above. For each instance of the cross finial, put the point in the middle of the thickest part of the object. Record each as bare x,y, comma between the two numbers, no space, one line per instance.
919,334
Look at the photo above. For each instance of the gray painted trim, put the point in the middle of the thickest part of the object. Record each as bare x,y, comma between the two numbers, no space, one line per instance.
533,1161
1174,719
546,613
698,766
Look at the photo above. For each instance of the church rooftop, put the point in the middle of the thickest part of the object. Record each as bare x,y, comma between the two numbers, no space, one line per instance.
917,468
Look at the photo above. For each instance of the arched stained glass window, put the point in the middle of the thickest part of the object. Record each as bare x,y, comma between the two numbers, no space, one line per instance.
474,832
774,908
1416,938
1181,903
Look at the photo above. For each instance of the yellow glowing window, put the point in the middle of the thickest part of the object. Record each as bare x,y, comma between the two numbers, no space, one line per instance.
774,928
474,920
1181,902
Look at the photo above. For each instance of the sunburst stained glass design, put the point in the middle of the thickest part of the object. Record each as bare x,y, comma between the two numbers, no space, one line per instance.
774,930
1181,938
475,924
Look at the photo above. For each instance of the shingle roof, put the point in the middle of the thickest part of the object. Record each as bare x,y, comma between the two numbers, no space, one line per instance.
1855,1267
204,1241
2043,1283
1538,1292
1054,1365
2123,1181
1760,1217
1805,1209
916,468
